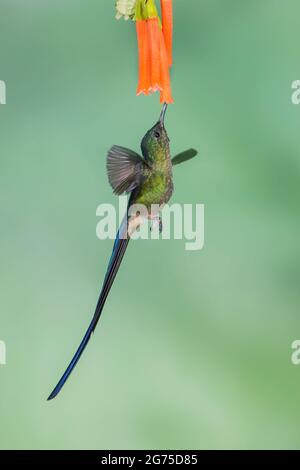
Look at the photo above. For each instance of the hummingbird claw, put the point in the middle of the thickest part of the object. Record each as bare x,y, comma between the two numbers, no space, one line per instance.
157,220
160,225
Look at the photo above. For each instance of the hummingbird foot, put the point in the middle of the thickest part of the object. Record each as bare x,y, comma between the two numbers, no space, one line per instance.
156,220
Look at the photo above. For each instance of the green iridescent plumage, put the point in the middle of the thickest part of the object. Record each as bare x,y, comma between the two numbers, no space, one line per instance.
157,184
150,177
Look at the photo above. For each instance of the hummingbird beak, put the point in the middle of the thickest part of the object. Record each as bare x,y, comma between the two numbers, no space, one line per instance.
163,113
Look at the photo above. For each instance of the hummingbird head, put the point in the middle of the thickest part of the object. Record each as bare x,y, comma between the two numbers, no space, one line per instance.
156,140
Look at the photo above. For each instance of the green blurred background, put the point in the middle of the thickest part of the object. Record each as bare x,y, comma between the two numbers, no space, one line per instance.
194,348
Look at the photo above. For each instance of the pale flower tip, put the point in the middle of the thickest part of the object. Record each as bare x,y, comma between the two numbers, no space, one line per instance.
125,8
143,91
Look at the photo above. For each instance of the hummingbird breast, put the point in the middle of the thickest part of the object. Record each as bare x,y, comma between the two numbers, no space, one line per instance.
156,185
156,188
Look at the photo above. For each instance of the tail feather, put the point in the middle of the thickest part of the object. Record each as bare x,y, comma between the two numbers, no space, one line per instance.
119,249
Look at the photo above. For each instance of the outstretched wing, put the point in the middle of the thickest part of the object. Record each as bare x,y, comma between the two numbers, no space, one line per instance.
124,169
184,156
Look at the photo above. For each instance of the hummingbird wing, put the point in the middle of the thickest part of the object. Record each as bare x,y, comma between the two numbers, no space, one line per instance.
121,243
184,156
124,169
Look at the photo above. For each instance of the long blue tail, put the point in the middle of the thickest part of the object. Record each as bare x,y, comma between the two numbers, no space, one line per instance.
114,263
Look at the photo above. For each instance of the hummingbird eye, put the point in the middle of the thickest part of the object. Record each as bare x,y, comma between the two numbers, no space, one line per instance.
156,134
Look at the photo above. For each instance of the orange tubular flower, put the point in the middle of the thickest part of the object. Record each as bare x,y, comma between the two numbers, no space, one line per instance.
154,34
154,56
144,84
167,26
166,92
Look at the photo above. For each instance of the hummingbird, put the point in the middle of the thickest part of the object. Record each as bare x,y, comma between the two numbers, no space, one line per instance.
149,181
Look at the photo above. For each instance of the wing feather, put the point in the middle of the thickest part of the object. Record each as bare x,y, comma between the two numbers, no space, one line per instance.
184,156
124,169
